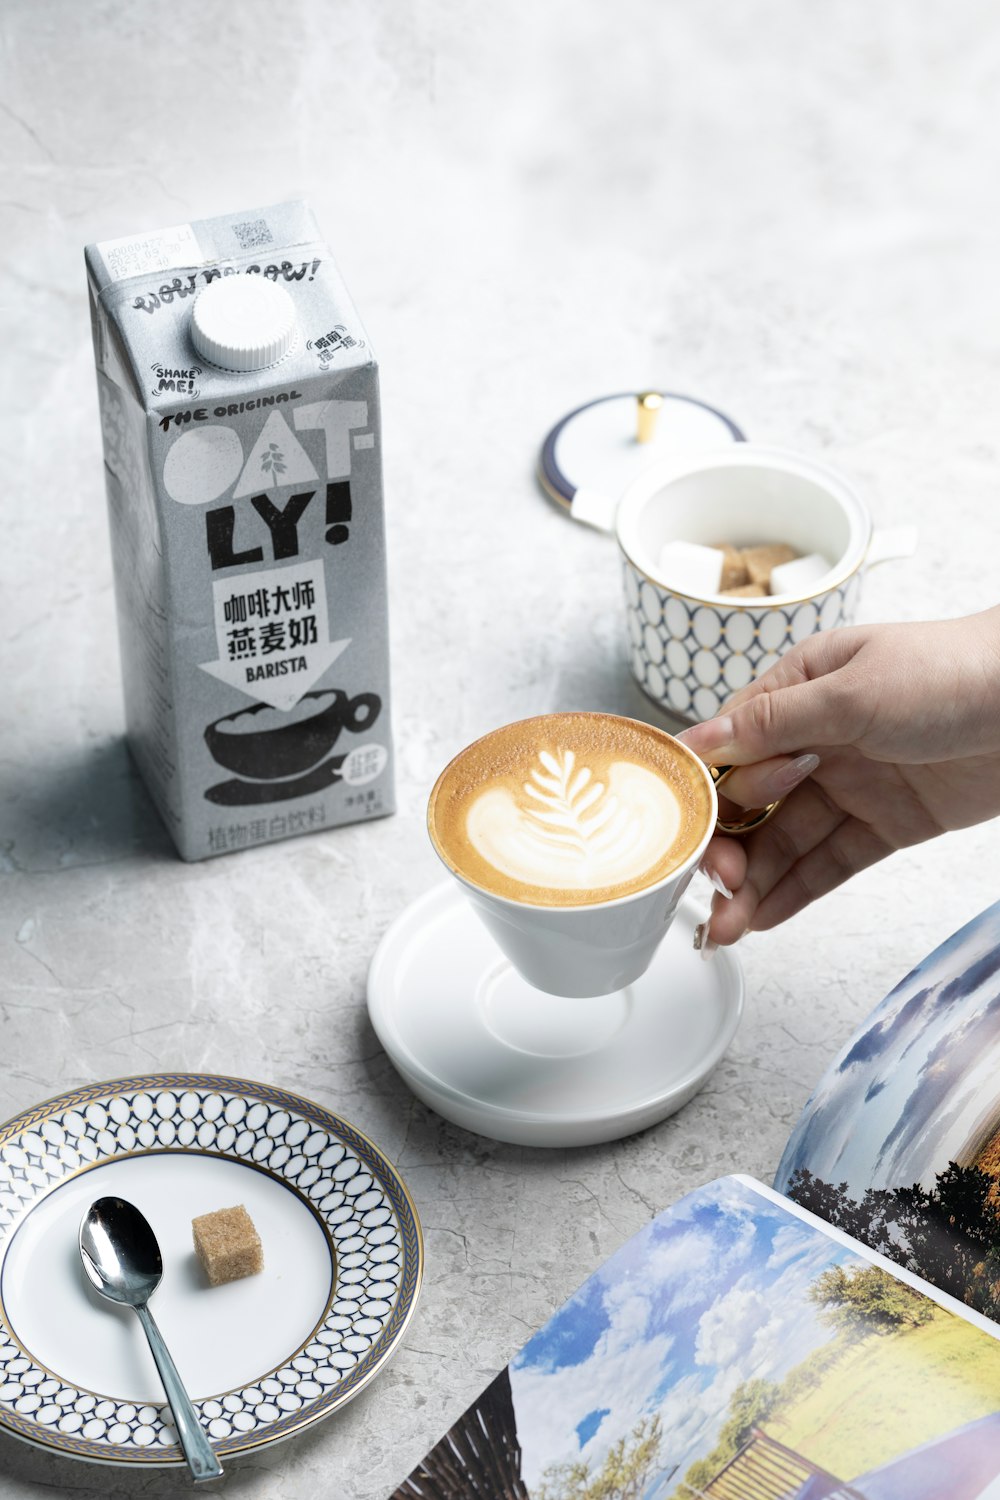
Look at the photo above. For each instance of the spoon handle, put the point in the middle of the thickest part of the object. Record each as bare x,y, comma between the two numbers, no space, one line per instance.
198,1450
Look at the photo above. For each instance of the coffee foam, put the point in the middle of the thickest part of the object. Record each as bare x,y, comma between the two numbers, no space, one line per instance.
569,809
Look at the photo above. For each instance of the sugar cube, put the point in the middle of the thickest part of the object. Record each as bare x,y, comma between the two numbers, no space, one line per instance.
761,560
734,569
800,575
690,568
227,1244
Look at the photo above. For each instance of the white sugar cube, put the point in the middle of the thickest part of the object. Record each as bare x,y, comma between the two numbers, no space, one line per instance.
801,575
690,568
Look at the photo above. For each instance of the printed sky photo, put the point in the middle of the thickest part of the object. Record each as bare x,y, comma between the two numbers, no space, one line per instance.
710,1294
921,1081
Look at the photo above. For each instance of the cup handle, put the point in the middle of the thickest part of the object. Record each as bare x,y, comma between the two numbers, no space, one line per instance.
753,817
889,543
362,711
594,509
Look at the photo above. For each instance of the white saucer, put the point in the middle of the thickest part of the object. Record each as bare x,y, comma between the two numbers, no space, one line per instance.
486,1050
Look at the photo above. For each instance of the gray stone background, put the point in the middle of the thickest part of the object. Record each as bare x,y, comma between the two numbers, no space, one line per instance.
790,210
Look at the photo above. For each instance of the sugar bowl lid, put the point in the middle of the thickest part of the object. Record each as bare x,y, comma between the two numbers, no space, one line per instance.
593,453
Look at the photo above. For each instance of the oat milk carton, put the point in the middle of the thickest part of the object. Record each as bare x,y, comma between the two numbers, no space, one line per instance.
242,445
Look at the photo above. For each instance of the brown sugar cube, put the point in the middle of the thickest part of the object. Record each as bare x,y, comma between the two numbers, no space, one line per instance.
734,569
746,591
760,560
227,1245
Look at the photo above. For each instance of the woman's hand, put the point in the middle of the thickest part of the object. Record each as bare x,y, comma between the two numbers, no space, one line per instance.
877,737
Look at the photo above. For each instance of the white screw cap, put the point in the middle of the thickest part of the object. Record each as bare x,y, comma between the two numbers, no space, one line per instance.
243,323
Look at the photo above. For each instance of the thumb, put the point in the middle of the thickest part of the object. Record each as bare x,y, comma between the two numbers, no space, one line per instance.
776,721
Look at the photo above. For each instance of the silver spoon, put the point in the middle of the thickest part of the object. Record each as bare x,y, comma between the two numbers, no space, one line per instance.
122,1259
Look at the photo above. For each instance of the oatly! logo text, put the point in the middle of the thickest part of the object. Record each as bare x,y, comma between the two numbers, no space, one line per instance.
207,462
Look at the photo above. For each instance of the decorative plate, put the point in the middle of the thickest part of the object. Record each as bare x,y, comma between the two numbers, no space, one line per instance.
262,1358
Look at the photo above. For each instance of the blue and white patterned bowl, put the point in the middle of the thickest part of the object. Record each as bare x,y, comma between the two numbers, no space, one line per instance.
690,654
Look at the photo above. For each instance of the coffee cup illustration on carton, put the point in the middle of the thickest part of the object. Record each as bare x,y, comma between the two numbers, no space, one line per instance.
242,439
285,755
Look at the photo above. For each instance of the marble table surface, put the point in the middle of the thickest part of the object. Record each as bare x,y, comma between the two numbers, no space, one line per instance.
785,212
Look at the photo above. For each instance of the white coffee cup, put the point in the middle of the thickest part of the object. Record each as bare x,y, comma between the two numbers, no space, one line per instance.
689,653
595,949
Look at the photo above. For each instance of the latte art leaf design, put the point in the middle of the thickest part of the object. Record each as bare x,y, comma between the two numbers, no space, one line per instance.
577,815
565,825
569,810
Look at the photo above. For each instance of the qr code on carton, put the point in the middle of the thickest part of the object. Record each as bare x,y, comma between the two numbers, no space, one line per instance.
252,233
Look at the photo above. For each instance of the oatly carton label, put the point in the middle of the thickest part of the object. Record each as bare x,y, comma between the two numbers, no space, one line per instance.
242,448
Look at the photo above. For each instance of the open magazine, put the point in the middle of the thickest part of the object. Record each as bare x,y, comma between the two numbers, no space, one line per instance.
836,1337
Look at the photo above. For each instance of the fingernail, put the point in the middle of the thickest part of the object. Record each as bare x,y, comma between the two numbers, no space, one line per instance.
703,944
716,880
795,772
708,737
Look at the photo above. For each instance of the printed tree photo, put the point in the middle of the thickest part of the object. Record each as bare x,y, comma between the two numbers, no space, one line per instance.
732,1351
